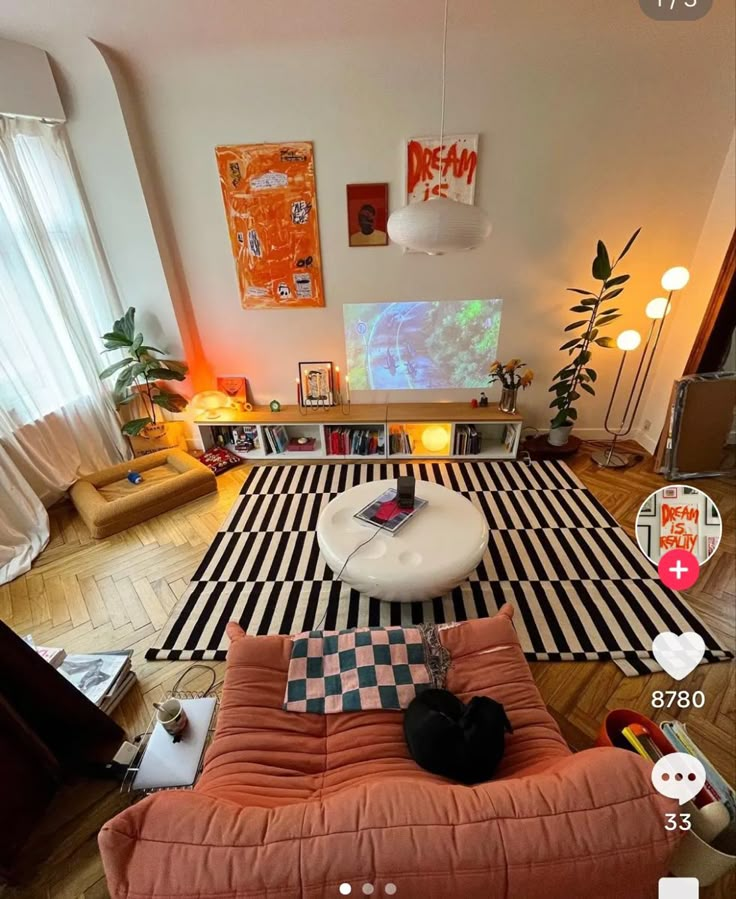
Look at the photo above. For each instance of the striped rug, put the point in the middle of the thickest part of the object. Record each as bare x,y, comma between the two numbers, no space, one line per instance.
581,588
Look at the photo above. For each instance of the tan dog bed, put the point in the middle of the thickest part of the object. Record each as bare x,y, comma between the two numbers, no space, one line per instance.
109,503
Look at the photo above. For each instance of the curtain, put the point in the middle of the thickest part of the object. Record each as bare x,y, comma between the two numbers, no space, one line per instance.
57,420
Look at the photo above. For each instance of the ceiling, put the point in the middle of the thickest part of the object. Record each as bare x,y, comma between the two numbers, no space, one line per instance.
139,29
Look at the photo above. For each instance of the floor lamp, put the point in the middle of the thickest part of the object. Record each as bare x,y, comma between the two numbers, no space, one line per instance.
672,280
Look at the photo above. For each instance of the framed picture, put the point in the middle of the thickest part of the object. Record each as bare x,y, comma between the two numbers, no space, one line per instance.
270,199
669,492
649,507
711,512
690,491
367,215
644,538
711,545
234,386
315,380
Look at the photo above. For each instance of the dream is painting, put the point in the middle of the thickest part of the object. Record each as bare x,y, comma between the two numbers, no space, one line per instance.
421,345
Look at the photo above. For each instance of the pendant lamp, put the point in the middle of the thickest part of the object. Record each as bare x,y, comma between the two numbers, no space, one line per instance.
439,225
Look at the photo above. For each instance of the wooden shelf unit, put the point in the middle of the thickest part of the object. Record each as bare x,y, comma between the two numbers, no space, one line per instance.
493,426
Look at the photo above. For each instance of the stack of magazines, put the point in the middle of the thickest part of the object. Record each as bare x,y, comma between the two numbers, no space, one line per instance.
103,677
716,789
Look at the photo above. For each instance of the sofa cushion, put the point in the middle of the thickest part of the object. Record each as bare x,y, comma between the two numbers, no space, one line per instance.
265,756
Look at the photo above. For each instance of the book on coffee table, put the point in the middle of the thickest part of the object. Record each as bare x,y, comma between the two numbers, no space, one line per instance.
384,512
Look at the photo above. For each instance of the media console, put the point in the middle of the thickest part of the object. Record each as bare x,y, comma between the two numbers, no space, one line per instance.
367,433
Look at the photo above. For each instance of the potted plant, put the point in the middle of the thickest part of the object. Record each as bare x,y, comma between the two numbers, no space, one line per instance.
138,377
577,374
510,380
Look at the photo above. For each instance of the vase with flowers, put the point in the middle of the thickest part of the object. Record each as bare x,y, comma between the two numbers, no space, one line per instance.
511,378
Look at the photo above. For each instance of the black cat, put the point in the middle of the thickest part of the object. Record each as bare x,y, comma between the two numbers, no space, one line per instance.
462,742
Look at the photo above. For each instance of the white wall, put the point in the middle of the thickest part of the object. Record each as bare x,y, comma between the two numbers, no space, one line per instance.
27,86
577,143
689,305
593,120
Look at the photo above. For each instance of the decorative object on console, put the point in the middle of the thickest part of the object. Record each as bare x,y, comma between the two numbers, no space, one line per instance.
577,372
436,219
211,402
628,341
219,459
271,207
138,375
235,387
510,379
315,384
367,215
274,406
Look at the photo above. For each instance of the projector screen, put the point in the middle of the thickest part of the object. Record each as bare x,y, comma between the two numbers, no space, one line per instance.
423,345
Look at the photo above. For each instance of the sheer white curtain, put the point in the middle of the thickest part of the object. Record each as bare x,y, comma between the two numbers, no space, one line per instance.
57,420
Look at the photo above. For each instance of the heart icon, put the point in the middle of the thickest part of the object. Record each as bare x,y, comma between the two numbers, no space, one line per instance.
678,656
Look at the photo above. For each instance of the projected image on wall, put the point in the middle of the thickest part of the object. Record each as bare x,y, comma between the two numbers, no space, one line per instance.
421,345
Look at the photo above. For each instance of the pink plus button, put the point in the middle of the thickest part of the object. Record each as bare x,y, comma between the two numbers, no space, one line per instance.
678,569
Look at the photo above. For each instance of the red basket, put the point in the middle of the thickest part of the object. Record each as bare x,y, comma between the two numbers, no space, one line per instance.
618,719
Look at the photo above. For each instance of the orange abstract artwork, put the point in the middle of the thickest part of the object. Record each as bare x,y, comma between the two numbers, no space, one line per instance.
271,207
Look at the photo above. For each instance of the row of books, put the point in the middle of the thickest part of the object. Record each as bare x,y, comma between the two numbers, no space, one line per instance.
716,789
399,442
354,441
467,440
103,677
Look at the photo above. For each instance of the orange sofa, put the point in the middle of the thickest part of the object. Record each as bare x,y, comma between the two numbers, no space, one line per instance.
294,805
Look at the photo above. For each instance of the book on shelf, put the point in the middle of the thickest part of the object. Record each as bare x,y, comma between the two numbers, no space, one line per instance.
400,443
509,438
384,512
360,441
467,440
277,437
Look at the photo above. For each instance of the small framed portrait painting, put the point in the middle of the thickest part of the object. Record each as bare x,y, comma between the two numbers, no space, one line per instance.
670,492
367,215
315,383
234,386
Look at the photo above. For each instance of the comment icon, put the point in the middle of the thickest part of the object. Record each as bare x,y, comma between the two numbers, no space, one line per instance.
678,776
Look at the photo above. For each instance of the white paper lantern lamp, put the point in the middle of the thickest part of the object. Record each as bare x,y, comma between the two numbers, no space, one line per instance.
439,226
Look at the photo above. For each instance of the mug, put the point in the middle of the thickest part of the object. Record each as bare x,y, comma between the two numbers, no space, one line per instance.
172,716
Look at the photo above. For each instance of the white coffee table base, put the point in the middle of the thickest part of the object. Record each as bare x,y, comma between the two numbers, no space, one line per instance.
432,553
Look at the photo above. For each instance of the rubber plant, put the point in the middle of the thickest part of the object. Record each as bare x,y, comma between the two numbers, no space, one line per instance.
577,373
139,374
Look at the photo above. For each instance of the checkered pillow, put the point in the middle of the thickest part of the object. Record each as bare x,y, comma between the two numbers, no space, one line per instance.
355,670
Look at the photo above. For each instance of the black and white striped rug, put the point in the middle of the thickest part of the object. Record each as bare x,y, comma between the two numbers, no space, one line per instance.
581,589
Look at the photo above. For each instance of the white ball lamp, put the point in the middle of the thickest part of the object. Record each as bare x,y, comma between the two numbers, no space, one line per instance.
628,340
435,438
675,278
210,402
658,308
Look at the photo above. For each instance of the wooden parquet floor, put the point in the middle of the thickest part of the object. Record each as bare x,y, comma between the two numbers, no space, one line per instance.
117,593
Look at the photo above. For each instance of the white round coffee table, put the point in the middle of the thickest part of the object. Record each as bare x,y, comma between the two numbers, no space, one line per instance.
432,553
